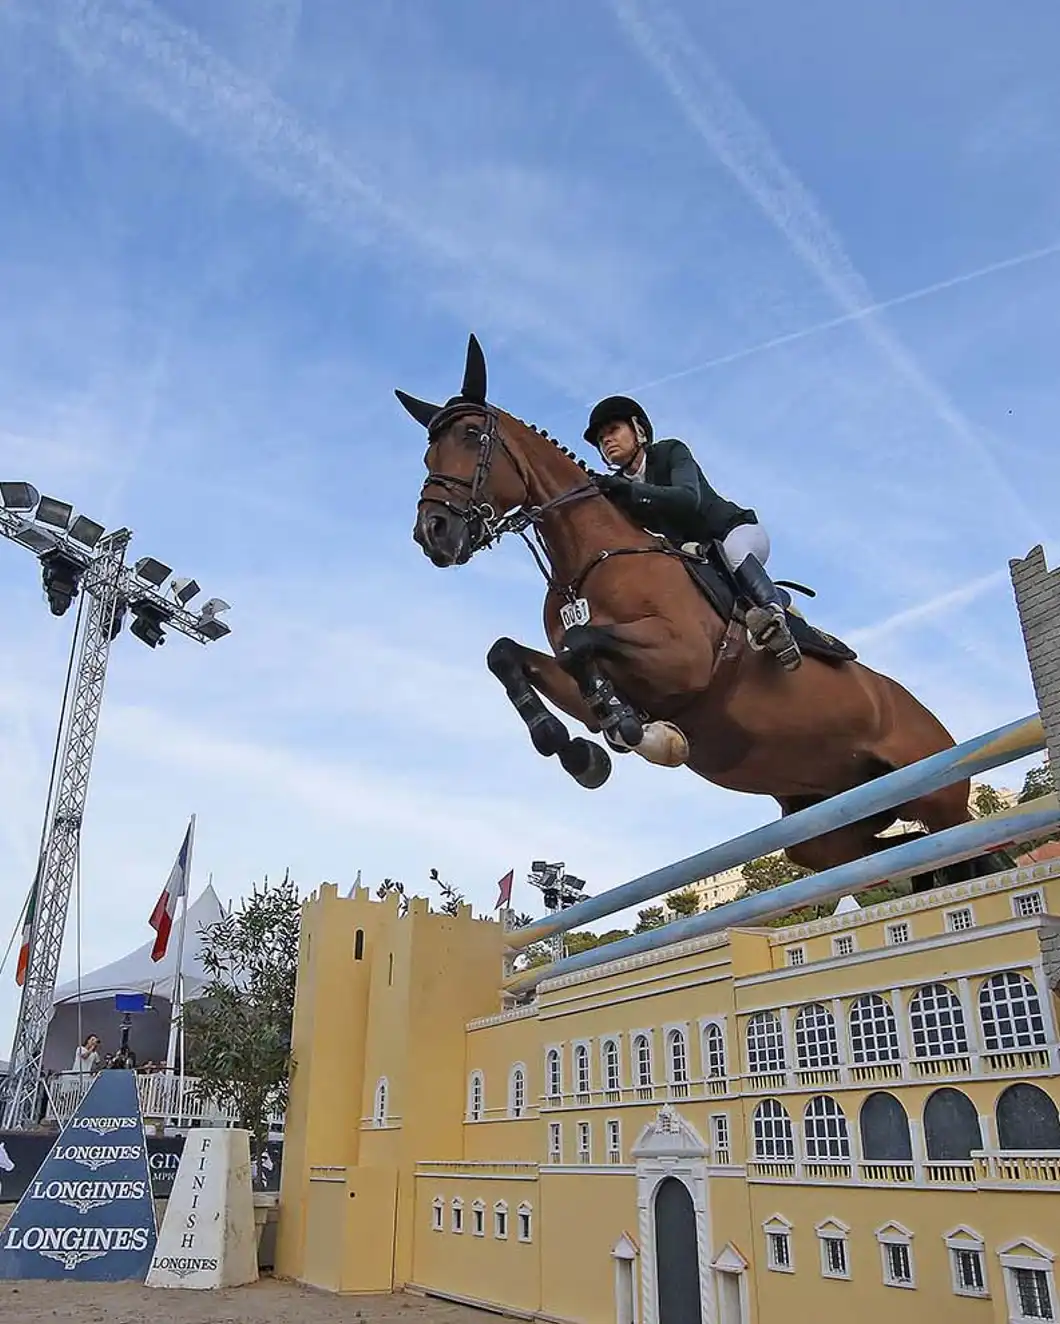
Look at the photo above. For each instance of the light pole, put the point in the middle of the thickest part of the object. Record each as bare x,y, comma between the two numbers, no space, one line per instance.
560,890
78,557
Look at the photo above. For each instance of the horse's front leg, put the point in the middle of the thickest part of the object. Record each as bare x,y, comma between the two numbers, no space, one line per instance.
526,674
581,650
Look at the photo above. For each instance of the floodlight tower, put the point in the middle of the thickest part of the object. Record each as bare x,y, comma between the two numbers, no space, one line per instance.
77,555
560,890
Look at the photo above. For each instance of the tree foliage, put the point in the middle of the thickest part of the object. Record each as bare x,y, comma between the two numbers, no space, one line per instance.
238,1033
1037,782
452,899
986,800
682,904
651,917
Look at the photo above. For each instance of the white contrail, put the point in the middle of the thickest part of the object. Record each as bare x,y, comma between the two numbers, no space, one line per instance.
742,145
803,333
924,611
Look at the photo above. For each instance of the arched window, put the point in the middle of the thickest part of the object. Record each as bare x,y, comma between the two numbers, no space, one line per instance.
816,1044
765,1044
1010,1013
581,1068
873,1031
951,1127
714,1053
937,1023
517,1091
1027,1119
824,1129
677,1057
553,1074
773,1136
476,1091
642,1060
379,1106
885,1130
612,1068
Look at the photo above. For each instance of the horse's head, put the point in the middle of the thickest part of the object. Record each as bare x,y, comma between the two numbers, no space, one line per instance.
473,475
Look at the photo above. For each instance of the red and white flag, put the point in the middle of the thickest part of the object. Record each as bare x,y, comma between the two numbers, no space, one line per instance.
505,888
27,933
166,906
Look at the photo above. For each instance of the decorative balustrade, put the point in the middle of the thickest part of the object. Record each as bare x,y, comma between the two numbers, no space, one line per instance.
164,1097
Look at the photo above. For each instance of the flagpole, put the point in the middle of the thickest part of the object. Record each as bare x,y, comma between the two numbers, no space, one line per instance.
177,1003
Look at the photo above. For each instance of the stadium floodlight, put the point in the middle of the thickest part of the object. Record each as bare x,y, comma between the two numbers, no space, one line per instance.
184,590
19,496
86,531
151,571
147,627
62,578
37,540
54,512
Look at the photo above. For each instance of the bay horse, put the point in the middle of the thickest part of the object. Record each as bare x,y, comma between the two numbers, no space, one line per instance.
643,655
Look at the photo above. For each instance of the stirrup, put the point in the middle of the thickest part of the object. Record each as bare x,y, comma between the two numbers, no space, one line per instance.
769,630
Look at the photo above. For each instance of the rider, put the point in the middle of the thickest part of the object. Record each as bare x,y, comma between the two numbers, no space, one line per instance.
659,484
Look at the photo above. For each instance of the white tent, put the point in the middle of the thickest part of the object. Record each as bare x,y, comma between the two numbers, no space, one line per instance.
87,1007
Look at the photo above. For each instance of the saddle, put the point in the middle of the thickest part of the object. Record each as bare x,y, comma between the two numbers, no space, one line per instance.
711,576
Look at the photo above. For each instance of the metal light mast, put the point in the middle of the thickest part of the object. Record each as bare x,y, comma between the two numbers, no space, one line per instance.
76,553
560,890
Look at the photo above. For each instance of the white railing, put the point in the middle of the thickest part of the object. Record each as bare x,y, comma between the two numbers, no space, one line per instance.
1022,1167
164,1097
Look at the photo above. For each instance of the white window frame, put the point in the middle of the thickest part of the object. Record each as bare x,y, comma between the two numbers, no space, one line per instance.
964,1239
437,1214
949,919
1017,897
613,1127
775,1053
930,1019
1014,1256
795,956
884,1030
615,1041
817,1124
584,1129
778,1226
841,939
634,1059
834,1230
500,1220
524,1222
476,1110
1032,1009
894,1234
680,1029
720,1138
581,1050
555,1152
556,1049
890,930
719,1024
517,1109
456,1214
807,1046
478,1218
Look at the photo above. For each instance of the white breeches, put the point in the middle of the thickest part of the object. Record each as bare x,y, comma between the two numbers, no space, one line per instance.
744,541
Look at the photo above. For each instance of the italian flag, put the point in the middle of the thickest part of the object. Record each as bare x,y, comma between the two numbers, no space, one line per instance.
27,933
166,906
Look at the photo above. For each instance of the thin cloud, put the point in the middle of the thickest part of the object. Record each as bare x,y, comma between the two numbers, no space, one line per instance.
934,607
870,310
742,145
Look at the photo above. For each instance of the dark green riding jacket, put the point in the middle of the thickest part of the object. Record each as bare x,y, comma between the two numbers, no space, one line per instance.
677,501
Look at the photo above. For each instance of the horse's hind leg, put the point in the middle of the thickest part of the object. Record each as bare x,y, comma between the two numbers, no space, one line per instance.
945,808
523,672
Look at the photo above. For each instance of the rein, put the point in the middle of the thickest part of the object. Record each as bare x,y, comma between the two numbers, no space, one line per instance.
483,524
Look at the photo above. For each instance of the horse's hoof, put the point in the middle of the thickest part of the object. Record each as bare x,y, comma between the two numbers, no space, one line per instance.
588,764
549,735
629,731
664,745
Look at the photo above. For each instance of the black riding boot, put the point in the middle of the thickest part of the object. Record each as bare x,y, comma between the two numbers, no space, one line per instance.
766,619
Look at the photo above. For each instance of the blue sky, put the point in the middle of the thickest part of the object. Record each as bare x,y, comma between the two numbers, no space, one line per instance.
822,243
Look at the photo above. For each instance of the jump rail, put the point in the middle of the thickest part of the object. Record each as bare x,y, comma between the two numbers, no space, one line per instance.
927,852
1004,745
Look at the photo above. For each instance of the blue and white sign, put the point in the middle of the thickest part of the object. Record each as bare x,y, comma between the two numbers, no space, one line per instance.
88,1214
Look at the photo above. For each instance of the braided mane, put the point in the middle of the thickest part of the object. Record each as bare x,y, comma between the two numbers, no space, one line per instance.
564,450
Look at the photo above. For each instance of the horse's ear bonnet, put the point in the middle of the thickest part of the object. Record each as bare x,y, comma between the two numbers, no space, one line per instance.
473,390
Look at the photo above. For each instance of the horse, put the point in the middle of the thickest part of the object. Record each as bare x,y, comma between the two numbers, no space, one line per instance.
7,1163
649,652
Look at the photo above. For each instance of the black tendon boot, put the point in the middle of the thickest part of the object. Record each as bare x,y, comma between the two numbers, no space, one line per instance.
766,619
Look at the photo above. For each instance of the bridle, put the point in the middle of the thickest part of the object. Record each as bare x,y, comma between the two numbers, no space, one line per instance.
484,526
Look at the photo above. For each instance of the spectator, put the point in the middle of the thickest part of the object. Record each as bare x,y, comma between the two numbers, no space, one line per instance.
86,1057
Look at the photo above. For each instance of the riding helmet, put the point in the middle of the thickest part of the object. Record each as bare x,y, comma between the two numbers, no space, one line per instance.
612,410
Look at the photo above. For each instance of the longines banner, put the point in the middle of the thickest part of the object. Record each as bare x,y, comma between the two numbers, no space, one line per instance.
22,1153
88,1213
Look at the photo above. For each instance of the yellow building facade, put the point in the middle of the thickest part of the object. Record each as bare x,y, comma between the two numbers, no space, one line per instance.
851,1116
